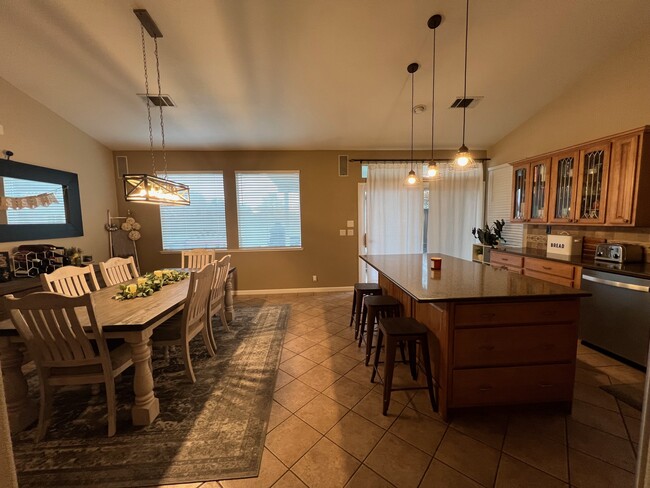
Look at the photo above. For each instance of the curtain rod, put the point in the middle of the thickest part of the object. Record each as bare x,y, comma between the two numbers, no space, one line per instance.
409,160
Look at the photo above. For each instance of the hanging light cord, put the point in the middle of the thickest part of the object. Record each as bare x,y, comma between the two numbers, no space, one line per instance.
146,89
162,123
412,101
433,91
465,80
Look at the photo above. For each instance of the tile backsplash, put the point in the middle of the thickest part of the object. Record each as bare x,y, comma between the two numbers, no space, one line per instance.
535,235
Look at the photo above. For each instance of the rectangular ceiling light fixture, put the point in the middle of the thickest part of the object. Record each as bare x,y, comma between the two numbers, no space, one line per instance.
151,189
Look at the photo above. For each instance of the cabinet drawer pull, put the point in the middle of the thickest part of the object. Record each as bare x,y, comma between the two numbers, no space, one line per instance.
484,388
547,268
487,315
505,259
626,220
546,385
487,347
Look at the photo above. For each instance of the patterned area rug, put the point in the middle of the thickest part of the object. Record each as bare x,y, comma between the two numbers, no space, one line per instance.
211,430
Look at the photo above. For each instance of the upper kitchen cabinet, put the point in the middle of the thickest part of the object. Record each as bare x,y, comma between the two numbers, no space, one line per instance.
564,181
531,191
591,197
629,170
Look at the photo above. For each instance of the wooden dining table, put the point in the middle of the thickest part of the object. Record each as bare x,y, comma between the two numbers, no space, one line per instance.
131,320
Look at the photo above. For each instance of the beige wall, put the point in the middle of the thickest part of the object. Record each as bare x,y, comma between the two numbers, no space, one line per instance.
612,97
327,202
38,136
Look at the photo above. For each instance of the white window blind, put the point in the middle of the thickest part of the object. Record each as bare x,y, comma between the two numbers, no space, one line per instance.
268,209
202,224
52,214
498,203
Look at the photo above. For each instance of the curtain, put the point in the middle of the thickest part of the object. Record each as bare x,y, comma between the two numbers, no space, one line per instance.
455,206
395,212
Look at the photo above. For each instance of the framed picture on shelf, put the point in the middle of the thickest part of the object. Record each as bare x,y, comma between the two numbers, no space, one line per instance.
5,267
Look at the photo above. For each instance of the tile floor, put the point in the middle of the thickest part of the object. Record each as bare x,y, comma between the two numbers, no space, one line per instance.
326,428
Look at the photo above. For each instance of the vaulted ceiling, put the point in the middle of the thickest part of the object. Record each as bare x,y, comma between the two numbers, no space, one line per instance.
307,74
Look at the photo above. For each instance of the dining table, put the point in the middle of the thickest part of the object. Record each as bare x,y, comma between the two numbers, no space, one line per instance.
132,320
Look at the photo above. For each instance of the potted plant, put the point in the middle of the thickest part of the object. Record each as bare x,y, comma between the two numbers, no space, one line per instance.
490,236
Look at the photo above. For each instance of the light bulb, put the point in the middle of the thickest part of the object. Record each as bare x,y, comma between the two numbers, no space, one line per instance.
462,161
463,157
432,171
412,179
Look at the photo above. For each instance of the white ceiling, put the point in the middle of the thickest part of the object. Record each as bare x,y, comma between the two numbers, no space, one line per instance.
306,74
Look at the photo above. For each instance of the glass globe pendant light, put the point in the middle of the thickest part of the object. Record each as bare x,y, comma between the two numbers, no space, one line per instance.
412,179
433,172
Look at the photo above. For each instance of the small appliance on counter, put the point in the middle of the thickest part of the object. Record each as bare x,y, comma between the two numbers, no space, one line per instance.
615,317
564,245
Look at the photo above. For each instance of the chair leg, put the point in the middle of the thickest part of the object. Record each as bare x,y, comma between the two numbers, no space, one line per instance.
189,371
354,307
388,371
363,322
205,333
380,341
45,409
166,353
357,312
112,408
427,369
223,318
413,359
370,333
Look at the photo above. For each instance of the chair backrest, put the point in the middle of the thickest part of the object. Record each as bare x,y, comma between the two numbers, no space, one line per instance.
118,270
71,281
219,283
196,258
52,326
197,304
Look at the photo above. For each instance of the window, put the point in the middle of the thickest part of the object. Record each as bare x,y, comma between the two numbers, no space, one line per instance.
268,209
499,191
201,224
51,214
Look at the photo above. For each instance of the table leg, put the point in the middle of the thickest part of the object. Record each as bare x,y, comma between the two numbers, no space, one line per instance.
228,301
146,407
22,411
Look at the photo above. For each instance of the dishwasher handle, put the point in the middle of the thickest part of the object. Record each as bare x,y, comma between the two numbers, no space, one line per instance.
617,284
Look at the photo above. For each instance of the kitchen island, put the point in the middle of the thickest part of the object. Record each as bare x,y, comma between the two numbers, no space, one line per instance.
496,338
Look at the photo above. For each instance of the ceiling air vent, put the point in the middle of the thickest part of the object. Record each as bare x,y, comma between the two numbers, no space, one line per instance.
158,101
469,102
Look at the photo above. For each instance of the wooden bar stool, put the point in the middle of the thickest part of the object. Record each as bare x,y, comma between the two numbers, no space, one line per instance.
398,329
374,308
360,291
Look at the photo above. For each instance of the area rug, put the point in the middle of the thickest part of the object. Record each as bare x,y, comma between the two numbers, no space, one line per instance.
632,393
213,429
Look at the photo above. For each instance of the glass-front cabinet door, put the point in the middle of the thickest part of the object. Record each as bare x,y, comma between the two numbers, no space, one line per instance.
592,184
539,189
519,192
564,179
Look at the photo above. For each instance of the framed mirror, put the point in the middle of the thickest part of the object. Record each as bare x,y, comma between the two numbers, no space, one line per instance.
38,203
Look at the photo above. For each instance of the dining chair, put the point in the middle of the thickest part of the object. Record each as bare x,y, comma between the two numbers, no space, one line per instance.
183,327
197,258
50,325
218,294
72,281
118,270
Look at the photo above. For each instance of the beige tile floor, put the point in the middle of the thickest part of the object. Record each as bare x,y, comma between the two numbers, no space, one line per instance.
326,428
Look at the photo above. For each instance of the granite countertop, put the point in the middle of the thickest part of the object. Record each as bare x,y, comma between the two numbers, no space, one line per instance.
461,280
638,270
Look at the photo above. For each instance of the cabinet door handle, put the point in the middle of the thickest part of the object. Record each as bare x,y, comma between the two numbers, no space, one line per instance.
484,388
626,220
546,385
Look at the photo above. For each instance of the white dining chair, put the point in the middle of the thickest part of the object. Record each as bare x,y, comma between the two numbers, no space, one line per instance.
197,258
72,281
50,325
218,294
118,270
195,318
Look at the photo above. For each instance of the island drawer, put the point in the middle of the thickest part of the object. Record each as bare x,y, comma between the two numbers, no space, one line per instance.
502,346
512,269
558,280
504,313
523,384
505,258
550,267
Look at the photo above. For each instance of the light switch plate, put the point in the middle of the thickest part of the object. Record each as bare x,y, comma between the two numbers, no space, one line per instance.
350,232
350,223
341,232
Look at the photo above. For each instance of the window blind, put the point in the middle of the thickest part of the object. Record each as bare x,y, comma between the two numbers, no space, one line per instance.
202,224
268,209
498,203
52,214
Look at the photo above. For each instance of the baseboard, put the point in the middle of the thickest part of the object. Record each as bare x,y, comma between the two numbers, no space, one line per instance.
284,291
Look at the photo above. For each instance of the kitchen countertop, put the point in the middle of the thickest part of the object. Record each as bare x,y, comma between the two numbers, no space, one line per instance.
638,270
461,280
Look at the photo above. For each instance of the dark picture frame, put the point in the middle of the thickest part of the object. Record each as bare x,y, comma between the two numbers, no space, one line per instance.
70,183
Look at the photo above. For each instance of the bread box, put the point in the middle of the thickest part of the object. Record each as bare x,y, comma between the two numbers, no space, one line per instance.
564,245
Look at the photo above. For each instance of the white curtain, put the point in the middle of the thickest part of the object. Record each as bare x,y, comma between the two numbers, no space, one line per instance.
395,211
455,206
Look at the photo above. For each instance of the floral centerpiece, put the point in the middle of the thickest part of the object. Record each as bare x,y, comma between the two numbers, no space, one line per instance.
149,283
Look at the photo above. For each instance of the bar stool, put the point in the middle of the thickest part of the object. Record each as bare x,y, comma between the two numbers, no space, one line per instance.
398,329
360,291
374,308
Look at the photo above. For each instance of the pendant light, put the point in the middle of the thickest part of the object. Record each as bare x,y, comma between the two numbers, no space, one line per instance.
151,188
412,179
464,160
433,171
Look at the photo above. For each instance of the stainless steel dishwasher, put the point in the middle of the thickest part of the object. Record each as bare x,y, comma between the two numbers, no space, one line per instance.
616,317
